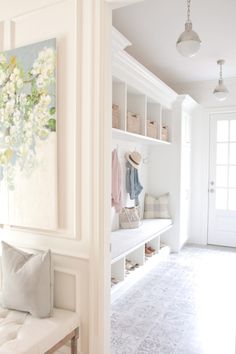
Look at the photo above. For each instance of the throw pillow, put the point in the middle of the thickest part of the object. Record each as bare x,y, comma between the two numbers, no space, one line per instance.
156,208
27,281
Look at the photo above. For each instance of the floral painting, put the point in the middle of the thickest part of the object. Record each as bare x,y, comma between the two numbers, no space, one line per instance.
28,137
27,107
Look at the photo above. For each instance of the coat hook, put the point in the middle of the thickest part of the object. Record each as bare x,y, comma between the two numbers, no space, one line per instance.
146,160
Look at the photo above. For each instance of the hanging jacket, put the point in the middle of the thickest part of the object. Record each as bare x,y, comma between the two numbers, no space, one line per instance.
116,185
133,186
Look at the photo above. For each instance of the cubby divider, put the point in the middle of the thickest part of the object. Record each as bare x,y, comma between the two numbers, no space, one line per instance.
155,244
137,256
141,118
153,117
119,97
166,125
118,269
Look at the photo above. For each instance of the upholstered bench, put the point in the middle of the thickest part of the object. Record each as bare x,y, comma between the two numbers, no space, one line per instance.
20,333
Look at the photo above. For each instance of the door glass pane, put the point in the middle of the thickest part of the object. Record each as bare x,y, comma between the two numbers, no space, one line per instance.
232,152
233,130
222,176
232,199
222,130
221,199
222,154
232,176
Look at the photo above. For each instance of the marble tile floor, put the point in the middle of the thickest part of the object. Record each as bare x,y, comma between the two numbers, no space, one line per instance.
185,305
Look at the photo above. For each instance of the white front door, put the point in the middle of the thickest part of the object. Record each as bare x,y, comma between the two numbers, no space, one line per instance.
222,180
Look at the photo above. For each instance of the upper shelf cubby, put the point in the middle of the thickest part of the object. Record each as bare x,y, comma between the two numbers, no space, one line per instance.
136,116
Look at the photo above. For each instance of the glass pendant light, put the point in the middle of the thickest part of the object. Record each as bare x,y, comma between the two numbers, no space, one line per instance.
221,92
189,42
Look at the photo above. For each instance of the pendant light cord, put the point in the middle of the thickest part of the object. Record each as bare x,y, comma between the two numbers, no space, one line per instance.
188,11
221,72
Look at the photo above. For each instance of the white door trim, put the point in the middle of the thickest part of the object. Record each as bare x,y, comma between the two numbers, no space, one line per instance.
209,111
96,76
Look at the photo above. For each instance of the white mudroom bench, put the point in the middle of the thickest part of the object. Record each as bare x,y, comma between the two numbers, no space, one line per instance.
20,333
124,241
129,244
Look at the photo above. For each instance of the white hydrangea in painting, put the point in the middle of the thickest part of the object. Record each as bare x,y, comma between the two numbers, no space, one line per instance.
27,106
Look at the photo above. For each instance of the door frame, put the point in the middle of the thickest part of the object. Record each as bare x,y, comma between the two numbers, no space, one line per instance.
97,78
209,112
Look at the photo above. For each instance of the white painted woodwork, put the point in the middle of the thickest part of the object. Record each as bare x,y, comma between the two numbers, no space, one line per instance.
222,185
115,4
118,269
167,164
168,168
137,256
134,276
125,241
202,93
119,97
80,244
129,70
129,245
132,137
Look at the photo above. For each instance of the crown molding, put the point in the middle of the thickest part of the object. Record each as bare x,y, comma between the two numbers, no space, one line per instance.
115,4
129,70
187,102
119,42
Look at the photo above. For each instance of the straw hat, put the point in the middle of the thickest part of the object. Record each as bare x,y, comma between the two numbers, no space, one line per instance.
134,158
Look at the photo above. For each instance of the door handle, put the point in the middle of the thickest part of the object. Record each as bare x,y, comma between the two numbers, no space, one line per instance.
211,190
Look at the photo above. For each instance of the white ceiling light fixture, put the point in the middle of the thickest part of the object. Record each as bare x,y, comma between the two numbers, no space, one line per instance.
189,42
221,92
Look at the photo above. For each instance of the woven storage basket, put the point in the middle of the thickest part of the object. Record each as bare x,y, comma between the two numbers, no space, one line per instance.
165,133
133,122
152,129
115,116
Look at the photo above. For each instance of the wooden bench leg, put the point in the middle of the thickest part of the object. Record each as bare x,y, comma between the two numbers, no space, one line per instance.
73,336
74,342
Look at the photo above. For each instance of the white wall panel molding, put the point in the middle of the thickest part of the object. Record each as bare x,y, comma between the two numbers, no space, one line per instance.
16,8
58,245
71,281
36,25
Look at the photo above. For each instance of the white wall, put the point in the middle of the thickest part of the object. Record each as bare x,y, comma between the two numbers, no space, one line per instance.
27,24
164,179
80,244
202,93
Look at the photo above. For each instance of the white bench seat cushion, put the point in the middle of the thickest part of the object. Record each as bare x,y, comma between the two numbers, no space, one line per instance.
20,333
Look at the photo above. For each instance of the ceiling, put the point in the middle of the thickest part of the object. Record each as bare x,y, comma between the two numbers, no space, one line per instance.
153,26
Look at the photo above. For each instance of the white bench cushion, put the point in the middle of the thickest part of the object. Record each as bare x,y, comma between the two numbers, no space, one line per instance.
20,333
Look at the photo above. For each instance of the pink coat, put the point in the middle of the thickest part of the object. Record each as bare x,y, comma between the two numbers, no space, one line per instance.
116,183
